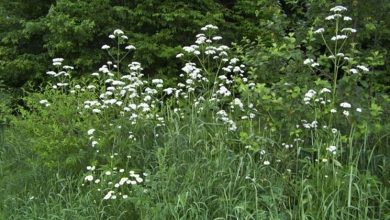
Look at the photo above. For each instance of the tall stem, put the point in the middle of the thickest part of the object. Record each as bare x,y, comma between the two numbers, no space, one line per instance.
336,65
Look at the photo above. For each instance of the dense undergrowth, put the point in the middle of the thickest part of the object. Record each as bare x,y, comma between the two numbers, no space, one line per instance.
215,143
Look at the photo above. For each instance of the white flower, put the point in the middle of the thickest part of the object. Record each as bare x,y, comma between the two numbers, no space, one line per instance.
334,130
332,149
354,71
118,32
105,47
314,64
68,67
346,113
111,36
139,179
108,195
234,61
333,110
57,64
325,90
118,83
94,143
209,26
157,81
91,131
188,49
44,101
330,17
52,73
130,47
107,173
338,8
216,38
314,124
62,84
308,61
339,37
88,178
238,102
58,60
224,91
96,110
168,91
358,109
346,18
365,69
309,95
345,105
266,163
348,30
320,30
200,39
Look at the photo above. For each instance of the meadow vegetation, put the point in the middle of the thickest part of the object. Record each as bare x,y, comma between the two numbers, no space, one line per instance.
287,130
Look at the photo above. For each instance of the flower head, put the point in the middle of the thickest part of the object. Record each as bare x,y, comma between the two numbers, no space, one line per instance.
338,8
130,47
345,105
88,178
118,32
91,131
320,30
332,149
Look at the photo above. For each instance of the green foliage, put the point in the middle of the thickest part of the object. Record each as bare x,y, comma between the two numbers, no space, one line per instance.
274,127
58,132
76,30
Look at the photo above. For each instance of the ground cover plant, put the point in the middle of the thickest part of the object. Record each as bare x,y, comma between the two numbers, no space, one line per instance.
219,141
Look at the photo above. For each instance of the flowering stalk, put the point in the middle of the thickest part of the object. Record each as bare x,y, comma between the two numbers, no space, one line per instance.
337,57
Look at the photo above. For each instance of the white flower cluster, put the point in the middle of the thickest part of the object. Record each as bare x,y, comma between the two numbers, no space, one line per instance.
310,125
339,37
115,182
310,62
44,102
337,10
62,74
312,97
223,116
332,149
222,78
120,36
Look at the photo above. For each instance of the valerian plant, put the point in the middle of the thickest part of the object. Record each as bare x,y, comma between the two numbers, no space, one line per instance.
337,50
